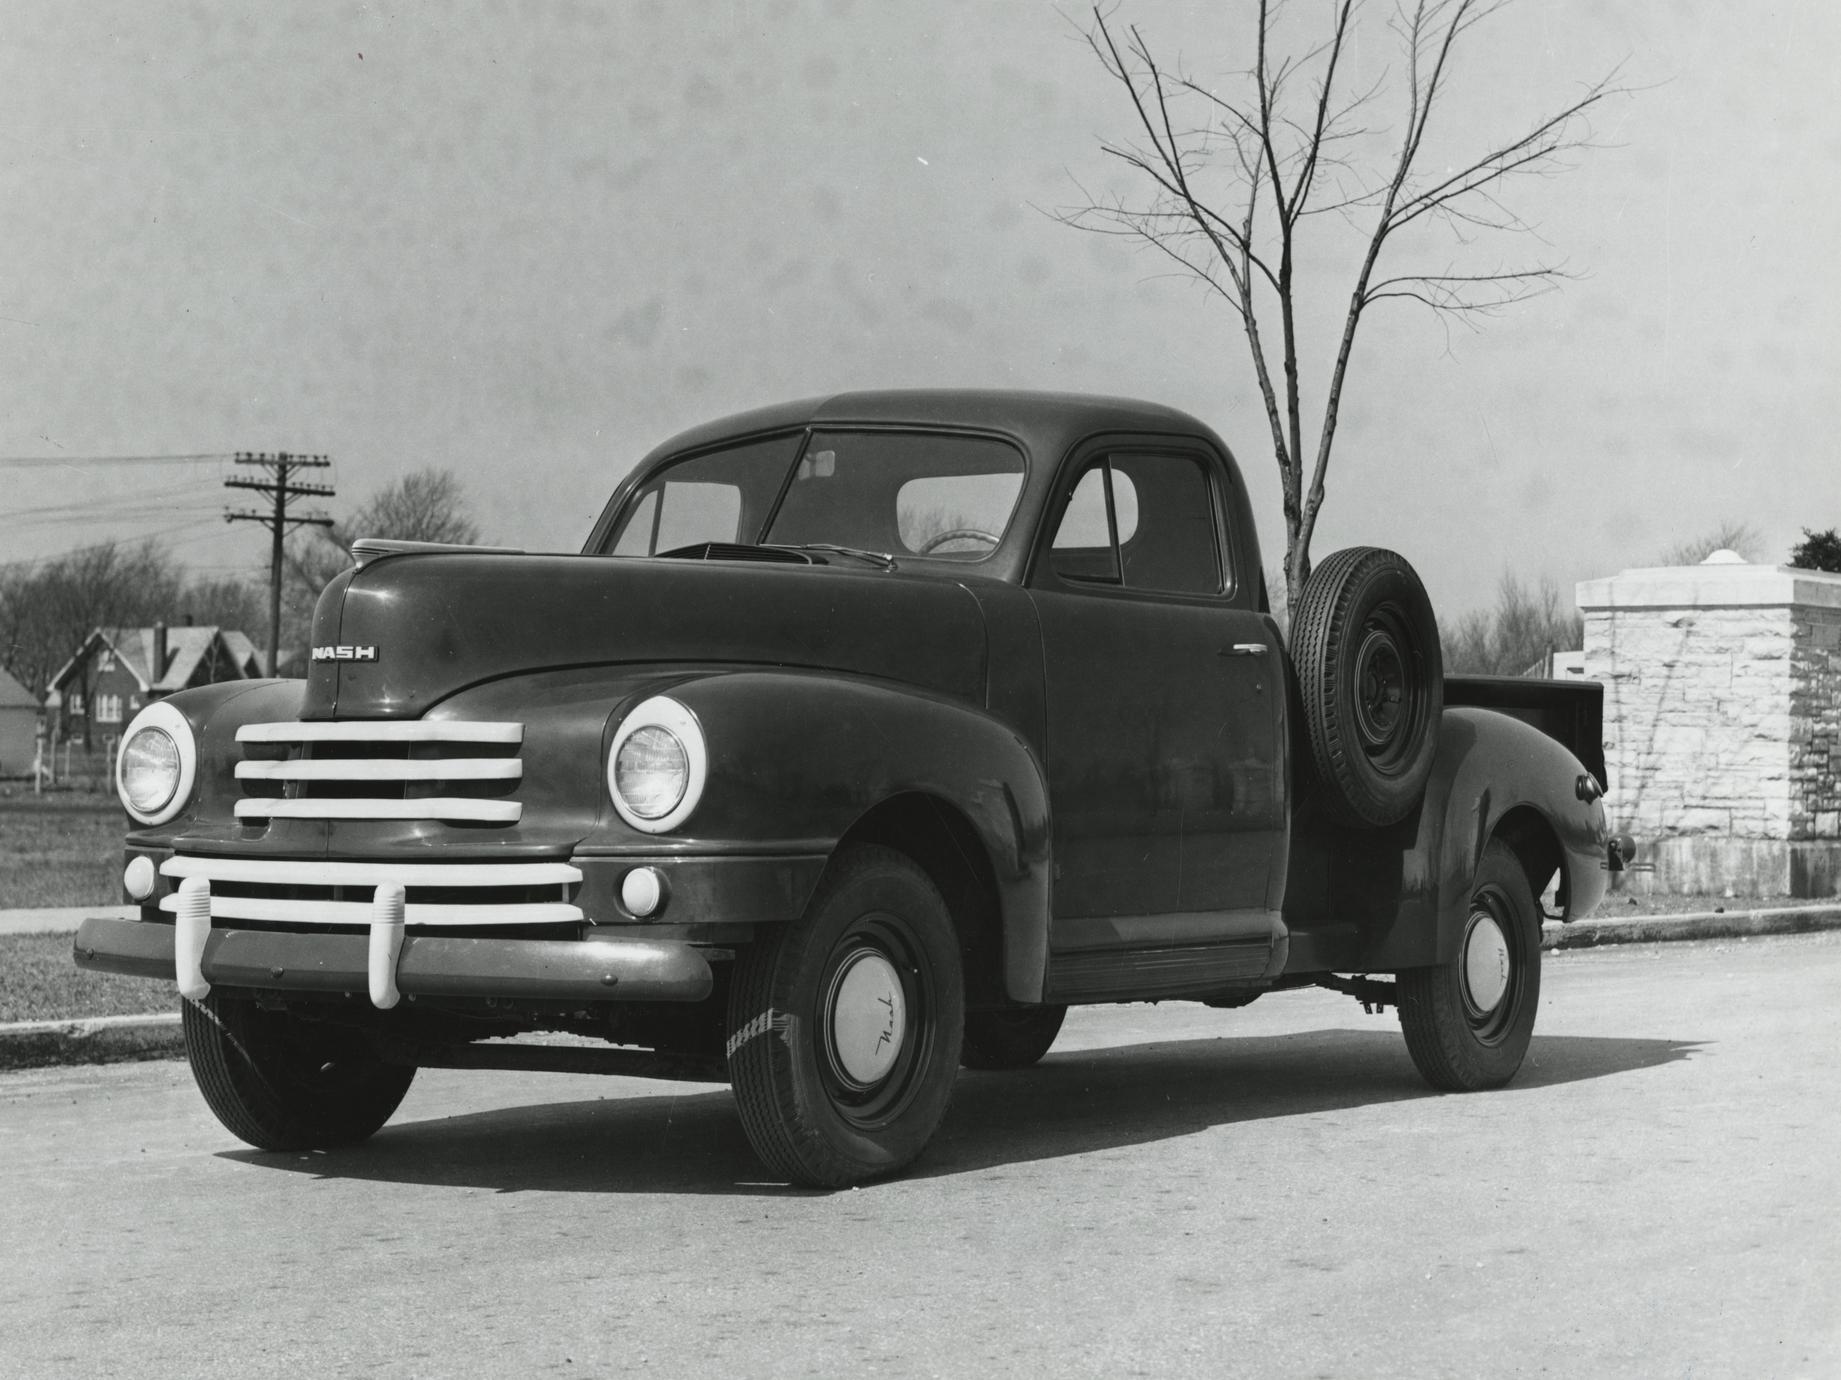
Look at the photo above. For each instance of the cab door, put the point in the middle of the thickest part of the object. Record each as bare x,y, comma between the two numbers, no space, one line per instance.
1165,723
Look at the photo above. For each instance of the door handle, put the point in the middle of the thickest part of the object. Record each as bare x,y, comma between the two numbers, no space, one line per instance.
1244,649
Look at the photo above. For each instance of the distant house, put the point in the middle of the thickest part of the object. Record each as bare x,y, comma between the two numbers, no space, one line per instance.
119,670
18,727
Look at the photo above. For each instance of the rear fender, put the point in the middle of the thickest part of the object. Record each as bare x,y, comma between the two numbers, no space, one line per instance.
1493,775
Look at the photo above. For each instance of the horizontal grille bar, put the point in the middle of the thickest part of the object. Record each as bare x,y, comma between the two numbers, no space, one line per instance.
430,807
358,914
383,731
309,872
385,769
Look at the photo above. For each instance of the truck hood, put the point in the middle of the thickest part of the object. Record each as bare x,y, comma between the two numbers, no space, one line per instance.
404,632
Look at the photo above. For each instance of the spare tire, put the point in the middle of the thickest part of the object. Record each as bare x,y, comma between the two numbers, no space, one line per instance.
1364,644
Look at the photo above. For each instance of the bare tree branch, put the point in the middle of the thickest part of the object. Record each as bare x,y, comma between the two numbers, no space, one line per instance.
1233,177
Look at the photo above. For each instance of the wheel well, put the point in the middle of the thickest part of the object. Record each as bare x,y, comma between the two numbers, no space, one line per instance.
942,841
1535,846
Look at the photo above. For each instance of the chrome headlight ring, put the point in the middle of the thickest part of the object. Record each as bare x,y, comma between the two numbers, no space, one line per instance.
156,722
657,731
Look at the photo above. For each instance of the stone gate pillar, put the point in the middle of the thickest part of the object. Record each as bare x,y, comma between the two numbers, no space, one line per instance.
1723,722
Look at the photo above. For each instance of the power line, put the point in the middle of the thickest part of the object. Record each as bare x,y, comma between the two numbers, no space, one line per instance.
29,462
105,545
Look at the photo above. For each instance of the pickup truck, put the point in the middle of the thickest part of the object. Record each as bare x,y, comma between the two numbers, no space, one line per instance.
863,737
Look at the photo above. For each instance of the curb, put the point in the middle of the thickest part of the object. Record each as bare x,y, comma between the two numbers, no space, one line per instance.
91,1040
114,1039
1706,924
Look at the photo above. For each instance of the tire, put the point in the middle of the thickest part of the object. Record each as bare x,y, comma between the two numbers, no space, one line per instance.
845,1025
1371,677
1013,1038
1460,1039
278,1082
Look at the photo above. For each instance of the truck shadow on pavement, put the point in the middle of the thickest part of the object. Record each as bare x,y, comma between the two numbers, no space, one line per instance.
689,1140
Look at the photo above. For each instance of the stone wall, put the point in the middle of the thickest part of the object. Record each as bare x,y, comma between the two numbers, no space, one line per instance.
1723,721
1815,714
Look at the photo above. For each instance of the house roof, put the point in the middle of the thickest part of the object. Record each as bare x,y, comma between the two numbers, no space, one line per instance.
185,648
13,695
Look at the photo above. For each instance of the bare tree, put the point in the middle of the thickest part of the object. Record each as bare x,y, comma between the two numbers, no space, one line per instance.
1730,535
1516,636
429,504
1228,184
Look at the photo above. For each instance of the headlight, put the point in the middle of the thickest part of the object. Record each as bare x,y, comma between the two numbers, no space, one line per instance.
157,764
657,766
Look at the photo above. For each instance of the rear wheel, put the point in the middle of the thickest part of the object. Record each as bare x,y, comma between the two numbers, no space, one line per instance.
283,1083
1468,1022
1012,1038
845,1025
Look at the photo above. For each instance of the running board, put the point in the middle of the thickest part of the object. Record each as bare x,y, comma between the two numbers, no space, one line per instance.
1192,970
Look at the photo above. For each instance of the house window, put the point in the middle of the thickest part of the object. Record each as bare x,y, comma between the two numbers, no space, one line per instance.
74,704
108,709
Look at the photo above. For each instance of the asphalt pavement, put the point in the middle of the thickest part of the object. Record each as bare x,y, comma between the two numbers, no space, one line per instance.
1174,1191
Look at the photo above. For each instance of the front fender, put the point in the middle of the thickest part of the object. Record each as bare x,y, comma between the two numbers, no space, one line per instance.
797,758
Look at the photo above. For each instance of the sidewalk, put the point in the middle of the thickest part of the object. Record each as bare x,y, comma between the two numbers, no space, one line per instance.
104,1039
62,920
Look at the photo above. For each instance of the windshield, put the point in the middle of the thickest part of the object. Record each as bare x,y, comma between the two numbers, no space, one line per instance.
900,493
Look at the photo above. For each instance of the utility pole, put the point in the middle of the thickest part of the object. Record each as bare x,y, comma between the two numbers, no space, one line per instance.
276,471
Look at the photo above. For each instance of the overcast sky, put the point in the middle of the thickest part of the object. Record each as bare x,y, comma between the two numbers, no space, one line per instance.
529,241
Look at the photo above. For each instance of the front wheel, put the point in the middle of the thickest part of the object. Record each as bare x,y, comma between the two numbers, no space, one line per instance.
283,1083
1468,1022
845,1025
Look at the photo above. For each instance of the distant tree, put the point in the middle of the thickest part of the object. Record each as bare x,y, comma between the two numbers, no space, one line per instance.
1526,624
1232,174
47,611
1818,551
225,603
1730,535
429,504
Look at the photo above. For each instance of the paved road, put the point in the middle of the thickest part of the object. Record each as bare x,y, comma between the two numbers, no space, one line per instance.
1175,1191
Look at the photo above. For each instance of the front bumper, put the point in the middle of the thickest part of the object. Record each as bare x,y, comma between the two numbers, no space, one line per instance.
423,965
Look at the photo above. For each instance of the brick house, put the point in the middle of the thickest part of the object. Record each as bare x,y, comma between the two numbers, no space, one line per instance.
119,670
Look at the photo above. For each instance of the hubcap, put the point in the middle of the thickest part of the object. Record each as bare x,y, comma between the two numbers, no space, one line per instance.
1486,964
867,1020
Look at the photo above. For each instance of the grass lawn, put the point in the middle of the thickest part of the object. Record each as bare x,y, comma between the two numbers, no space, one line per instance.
60,851
39,982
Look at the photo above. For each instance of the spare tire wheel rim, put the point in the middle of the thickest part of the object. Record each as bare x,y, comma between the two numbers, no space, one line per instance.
1487,969
865,1019
1385,708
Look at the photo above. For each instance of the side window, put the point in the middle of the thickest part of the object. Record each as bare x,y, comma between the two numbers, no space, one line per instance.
1144,522
1175,549
1084,548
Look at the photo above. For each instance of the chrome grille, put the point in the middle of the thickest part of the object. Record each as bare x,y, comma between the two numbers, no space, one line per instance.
454,771
307,891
